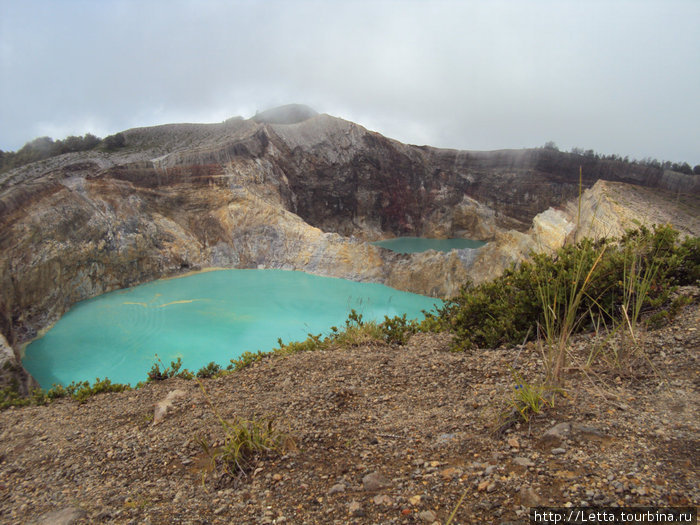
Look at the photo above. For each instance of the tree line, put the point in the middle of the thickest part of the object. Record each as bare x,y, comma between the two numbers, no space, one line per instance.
680,167
45,147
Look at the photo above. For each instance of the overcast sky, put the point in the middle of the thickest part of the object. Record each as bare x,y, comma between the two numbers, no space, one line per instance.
615,76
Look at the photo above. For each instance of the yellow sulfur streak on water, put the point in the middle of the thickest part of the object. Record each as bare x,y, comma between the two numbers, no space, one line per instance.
183,301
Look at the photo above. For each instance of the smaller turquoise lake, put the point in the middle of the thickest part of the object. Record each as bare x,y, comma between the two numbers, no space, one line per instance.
421,244
209,316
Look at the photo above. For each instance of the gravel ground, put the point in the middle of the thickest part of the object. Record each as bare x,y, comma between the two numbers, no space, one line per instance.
382,435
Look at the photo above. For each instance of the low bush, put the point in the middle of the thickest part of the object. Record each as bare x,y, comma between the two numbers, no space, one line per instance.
357,331
156,374
397,330
510,308
79,391
246,359
210,370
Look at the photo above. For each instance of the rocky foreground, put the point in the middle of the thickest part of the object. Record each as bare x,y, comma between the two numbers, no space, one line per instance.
383,435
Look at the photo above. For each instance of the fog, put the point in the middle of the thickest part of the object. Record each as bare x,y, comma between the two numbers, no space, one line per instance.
617,77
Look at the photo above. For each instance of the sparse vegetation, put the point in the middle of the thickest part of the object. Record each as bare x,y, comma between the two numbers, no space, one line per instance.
244,441
680,167
156,374
611,287
114,142
79,391
560,293
211,370
45,147
530,399
395,330
505,310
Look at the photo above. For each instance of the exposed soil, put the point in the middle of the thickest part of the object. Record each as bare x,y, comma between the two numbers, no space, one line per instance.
420,416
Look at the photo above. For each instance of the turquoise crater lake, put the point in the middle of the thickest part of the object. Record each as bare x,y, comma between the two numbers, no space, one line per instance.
209,316
422,244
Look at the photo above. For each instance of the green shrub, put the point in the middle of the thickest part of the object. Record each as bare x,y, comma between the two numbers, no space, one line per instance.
208,371
246,359
10,397
357,331
82,391
79,391
156,374
397,330
493,313
311,343
508,309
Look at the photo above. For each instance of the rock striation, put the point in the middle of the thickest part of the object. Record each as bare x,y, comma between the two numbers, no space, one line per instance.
292,189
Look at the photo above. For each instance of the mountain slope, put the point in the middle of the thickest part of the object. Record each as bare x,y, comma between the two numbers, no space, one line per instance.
289,189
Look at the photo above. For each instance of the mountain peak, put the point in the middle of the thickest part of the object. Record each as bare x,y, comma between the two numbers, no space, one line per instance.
288,114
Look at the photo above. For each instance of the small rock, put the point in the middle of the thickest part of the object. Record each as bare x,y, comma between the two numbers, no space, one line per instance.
450,473
444,438
483,485
383,499
523,462
104,515
415,500
558,451
428,516
589,433
556,434
513,442
66,516
375,481
163,407
335,489
528,497
355,509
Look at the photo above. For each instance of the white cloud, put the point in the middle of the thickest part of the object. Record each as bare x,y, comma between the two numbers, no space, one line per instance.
616,76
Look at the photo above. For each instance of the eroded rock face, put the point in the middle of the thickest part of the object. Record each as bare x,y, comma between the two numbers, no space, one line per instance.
607,209
11,371
293,191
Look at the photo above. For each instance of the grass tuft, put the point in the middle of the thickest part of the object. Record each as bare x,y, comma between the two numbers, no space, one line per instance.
244,442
